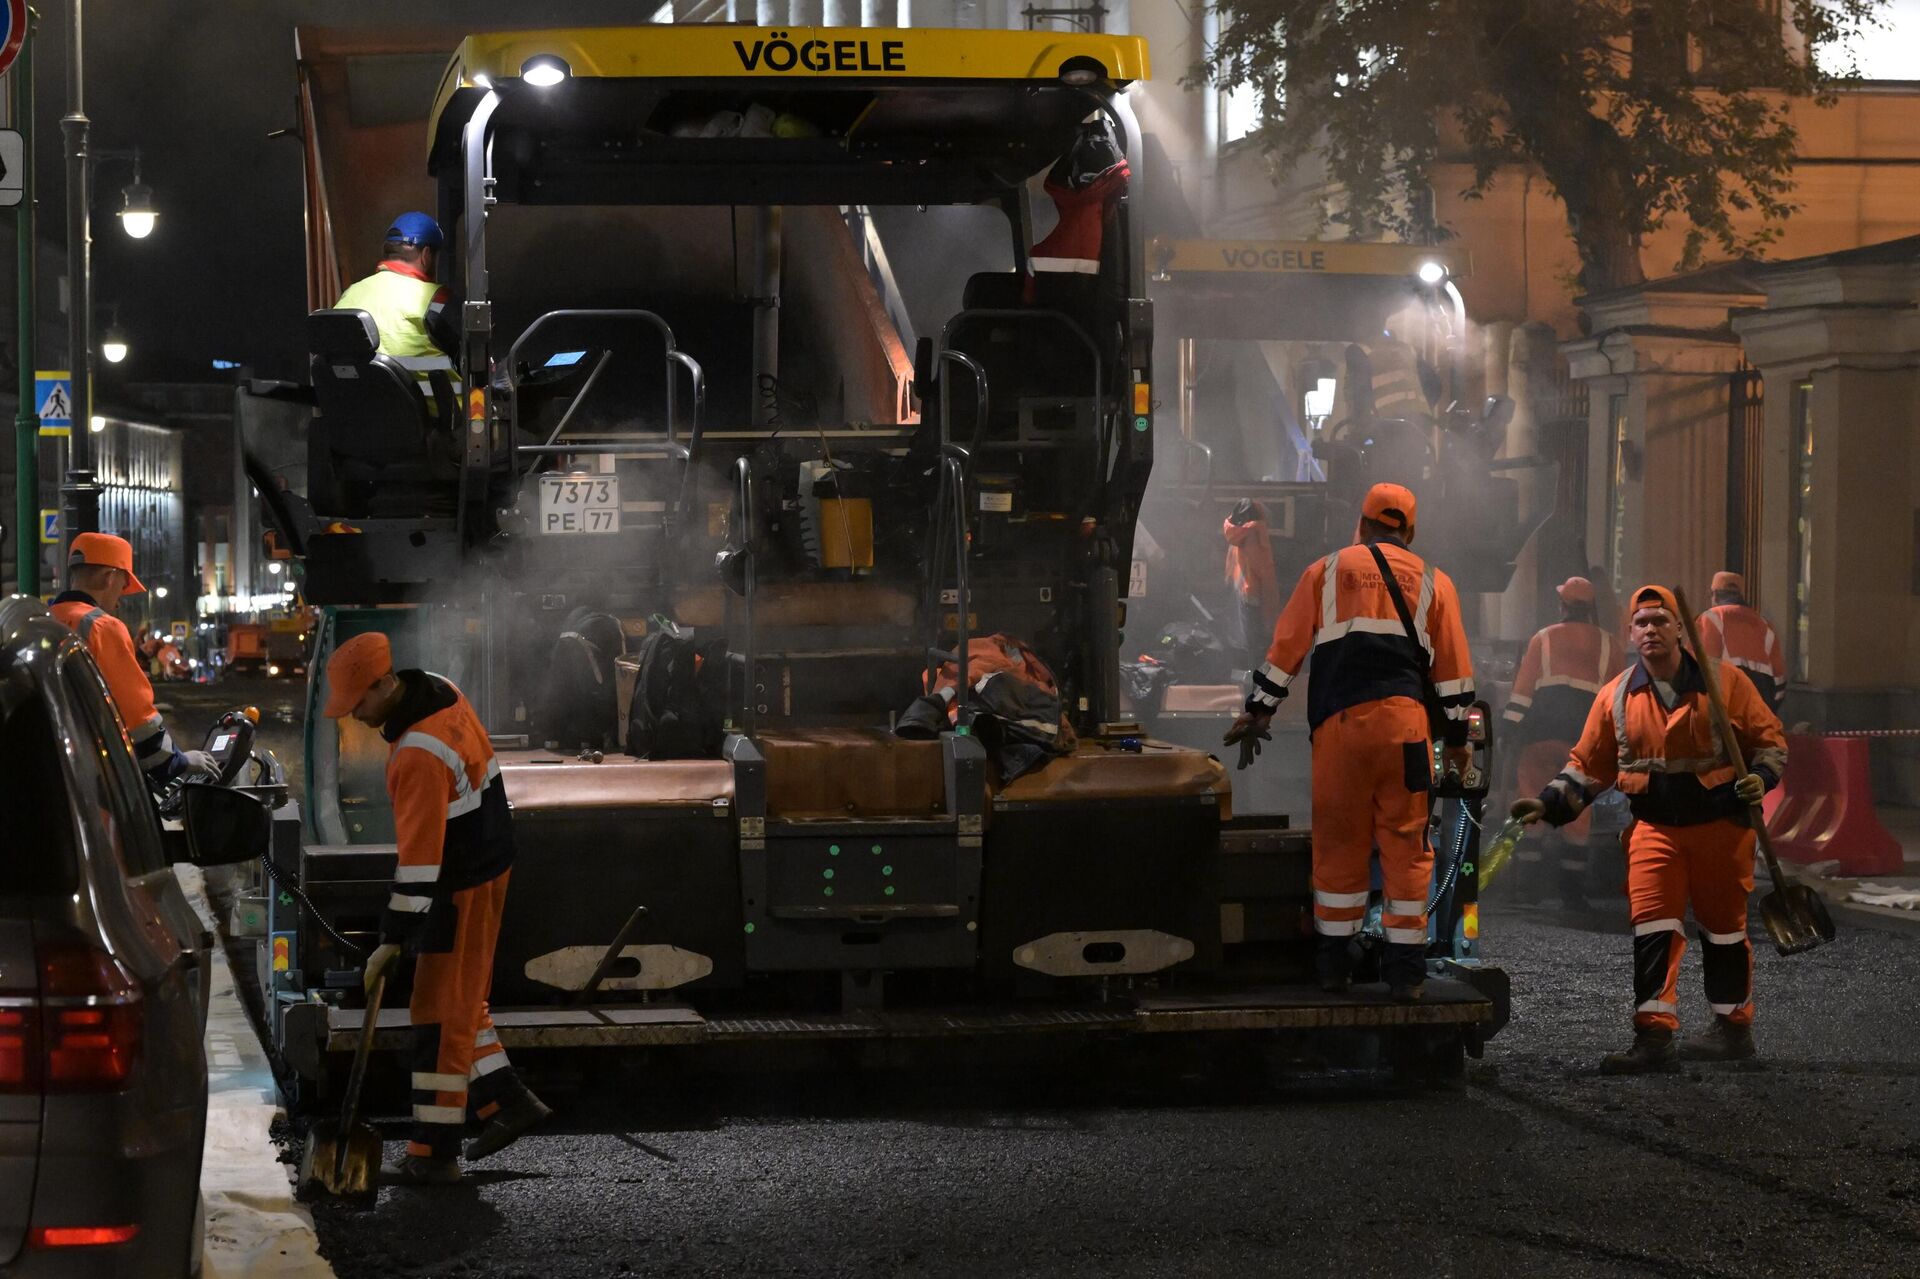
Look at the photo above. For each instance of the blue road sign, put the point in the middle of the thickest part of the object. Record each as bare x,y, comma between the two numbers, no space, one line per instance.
53,393
49,527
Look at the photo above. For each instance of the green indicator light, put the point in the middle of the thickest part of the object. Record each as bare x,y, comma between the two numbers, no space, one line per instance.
886,870
827,891
1139,424
749,927
888,890
827,873
833,850
876,850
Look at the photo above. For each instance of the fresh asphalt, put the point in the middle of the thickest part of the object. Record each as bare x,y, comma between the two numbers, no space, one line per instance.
1077,1163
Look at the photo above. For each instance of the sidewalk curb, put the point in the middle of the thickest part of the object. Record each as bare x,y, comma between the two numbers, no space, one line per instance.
254,1226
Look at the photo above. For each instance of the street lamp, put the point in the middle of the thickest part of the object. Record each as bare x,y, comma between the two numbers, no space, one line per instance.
137,214
113,343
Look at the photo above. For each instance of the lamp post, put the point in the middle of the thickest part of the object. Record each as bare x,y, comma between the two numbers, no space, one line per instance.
79,494
26,420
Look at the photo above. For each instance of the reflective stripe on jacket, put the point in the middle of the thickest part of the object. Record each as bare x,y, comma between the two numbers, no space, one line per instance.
1739,636
399,301
450,815
1668,763
1342,614
106,637
1564,666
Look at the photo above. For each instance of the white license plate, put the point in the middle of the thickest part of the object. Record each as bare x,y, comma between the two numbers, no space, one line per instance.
579,504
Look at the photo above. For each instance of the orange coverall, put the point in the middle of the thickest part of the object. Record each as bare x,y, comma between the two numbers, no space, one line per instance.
107,638
1372,754
1563,668
1740,636
455,841
1690,841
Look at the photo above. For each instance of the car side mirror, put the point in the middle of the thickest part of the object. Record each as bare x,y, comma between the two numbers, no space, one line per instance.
224,827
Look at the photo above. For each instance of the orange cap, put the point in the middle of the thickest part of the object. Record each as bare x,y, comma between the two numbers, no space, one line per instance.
1726,581
1391,505
355,667
1655,597
104,550
1575,590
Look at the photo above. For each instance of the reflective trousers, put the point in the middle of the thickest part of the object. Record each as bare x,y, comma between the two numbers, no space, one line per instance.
459,1067
1371,773
1711,866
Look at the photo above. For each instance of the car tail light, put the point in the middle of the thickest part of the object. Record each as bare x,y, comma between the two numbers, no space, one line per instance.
90,1019
80,1236
19,1046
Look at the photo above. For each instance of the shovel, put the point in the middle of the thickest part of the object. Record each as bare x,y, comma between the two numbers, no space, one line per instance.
1796,917
344,1159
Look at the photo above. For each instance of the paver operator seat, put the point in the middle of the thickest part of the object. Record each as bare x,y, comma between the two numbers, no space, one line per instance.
379,446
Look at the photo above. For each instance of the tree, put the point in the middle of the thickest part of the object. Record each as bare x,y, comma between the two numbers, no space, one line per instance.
1637,112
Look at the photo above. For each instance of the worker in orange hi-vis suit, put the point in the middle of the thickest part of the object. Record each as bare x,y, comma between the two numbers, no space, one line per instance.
1366,710
1650,732
1253,579
1738,635
1564,666
455,838
99,574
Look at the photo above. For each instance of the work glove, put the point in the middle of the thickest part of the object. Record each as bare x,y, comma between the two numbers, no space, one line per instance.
1527,811
199,764
1248,730
1751,789
382,957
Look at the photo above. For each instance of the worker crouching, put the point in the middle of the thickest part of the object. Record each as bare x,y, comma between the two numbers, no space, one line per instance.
455,838
1650,732
1385,670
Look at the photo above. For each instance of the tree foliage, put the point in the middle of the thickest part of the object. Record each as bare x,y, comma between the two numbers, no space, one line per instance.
1637,112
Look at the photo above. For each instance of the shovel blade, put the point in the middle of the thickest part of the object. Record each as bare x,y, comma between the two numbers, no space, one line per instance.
341,1163
1796,918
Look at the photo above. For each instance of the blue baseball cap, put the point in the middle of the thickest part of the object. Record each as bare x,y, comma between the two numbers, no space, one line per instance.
416,229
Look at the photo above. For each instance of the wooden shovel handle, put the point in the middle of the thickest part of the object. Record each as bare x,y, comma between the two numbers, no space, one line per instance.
350,1108
1723,726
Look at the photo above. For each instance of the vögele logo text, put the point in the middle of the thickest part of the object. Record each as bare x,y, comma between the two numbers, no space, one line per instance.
781,52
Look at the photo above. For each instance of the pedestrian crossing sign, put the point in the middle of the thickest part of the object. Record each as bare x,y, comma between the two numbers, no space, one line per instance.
53,392
49,527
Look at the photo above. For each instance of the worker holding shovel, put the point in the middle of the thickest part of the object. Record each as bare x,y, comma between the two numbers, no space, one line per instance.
1652,733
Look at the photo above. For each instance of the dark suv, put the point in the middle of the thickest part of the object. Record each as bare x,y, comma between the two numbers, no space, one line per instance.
103,983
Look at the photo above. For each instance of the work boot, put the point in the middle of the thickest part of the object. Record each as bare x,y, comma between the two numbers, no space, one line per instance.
511,1122
1406,990
1333,965
1652,1050
1725,1040
420,1170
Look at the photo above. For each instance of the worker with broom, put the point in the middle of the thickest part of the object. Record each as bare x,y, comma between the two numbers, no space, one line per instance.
1651,733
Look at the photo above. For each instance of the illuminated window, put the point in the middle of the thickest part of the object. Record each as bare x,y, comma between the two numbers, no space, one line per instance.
1239,112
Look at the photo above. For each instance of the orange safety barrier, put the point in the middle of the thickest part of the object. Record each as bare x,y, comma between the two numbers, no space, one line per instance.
1823,809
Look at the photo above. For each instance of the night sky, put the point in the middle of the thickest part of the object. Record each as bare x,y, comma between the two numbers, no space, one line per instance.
198,85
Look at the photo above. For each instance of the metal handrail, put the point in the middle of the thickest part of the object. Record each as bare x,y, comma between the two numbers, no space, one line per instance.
743,473
954,462
674,355
980,399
